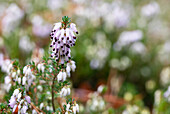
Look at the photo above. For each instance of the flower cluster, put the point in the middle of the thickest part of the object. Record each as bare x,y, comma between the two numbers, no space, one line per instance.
18,102
72,108
65,91
63,38
66,72
5,64
41,76
28,77
13,75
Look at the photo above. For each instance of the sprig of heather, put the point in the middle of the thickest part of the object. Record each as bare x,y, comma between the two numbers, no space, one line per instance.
63,38
38,78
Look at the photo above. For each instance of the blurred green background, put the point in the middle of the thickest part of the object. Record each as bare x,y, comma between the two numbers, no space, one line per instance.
124,44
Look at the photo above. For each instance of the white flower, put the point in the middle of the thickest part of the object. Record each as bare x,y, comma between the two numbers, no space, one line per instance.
34,111
41,105
40,88
16,92
167,94
24,109
7,79
28,77
68,107
19,96
64,76
73,66
126,38
68,69
40,67
25,44
19,80
100,88
24,69
18,100
70,66
59,76
12,102
75,108
24,80
150,9
28,99
18,71
68,91
14,74
64,92
8,87
1,59
14,108
11,19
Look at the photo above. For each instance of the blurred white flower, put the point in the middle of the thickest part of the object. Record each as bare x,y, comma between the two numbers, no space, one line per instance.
164,53
126,38
11,20
121,64
99,51
167,94
121,17
28,77
157,97
138,48
37,55
25,44
41,105
55,4
96,102
1,59
150,9
40,27
131,109
165,76
100,88
6,66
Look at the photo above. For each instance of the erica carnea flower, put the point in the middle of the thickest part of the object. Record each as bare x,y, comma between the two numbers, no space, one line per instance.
63,38
28,76
72,109
62,75
40,67
65,91
18,102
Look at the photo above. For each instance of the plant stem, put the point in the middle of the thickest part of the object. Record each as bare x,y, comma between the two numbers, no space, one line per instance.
35,108
52,93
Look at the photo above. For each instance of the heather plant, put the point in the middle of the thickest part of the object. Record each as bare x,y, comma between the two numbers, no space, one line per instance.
43,87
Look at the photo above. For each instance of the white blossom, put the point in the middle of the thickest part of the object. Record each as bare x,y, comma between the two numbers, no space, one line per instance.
61,76
150,9
64,92
18,101
41,67
62,40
